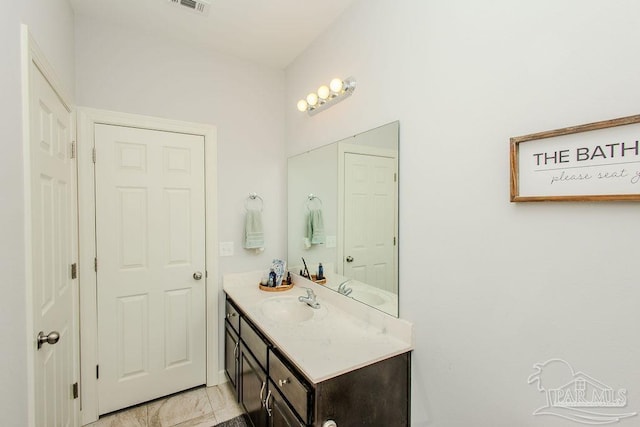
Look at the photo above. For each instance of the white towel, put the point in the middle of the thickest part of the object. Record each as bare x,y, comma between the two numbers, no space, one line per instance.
315,227
253,231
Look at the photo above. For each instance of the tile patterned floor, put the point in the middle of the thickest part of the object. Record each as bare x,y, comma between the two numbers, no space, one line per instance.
201,407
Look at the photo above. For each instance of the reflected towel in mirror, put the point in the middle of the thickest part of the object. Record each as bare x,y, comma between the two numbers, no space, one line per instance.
315,228
253,230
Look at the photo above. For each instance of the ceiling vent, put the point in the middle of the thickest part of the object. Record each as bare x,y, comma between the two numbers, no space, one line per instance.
201,7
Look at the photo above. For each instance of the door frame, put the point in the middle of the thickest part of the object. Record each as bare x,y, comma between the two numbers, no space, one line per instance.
32,53
87,119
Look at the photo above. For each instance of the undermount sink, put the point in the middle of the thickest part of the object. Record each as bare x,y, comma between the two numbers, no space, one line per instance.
289,309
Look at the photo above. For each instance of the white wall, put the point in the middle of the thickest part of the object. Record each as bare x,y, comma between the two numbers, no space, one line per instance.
127,71
493,287
51,24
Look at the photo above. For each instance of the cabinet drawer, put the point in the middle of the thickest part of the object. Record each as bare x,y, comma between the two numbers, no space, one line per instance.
254,342
295,391
232,316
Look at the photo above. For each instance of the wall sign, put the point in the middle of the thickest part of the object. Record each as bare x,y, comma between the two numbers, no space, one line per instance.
593,162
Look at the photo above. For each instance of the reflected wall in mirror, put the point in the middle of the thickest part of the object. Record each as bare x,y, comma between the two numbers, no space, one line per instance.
343,213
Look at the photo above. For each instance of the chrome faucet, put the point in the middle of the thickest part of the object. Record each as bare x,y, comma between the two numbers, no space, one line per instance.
310,299
342,289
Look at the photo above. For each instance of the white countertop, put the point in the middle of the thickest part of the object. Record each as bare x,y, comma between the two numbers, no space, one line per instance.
347,336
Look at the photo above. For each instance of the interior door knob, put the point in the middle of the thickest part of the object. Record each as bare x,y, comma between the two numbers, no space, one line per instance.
52,338
349,258
197,275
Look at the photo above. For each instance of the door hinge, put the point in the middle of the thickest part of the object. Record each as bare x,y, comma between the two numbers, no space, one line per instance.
74,271
395,177
394,240
95,264
74,390
73,149
93,154
97,371
206,274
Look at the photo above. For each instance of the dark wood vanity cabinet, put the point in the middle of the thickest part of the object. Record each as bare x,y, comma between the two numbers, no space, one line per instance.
232,347
274,393
375,395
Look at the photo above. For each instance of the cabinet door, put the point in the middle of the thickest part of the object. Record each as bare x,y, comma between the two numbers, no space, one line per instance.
280,414
253,388
232,358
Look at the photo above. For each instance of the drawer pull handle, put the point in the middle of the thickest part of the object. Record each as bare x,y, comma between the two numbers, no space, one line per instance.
283,382
262,401
267,403
230,315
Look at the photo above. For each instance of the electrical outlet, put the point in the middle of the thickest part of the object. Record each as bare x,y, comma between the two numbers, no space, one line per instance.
331,241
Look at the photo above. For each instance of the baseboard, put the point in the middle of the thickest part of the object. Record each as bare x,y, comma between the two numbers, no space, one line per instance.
222,378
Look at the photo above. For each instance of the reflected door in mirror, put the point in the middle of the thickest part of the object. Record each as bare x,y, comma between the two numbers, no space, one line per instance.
370,220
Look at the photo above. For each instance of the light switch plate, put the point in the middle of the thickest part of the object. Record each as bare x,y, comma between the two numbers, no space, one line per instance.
226,248
331,241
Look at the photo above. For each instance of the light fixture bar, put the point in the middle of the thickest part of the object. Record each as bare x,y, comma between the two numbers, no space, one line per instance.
327,96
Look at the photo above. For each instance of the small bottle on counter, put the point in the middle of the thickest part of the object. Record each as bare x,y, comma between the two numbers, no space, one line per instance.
273,279
320,275
289,278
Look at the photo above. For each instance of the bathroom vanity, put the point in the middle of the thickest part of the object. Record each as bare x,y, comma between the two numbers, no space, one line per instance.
343,364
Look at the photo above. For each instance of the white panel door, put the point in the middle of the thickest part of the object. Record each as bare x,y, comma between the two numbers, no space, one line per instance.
53,243
369,220
150,238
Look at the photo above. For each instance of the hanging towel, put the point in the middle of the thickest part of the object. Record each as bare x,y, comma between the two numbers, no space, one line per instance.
315,227
253,231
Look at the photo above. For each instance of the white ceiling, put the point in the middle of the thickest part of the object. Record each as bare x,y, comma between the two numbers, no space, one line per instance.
271,32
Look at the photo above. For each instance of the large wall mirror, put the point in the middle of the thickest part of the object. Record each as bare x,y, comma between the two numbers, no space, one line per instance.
343,213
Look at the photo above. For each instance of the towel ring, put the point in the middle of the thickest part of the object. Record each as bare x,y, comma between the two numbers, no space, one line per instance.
310,198
253,196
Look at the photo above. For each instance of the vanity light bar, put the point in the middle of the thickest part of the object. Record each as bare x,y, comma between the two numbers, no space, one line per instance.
326,96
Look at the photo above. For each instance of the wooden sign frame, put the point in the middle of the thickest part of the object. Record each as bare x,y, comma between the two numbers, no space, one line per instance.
594,162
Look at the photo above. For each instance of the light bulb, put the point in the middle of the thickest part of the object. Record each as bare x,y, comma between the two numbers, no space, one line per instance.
302,105
336,85
323,92
312,99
